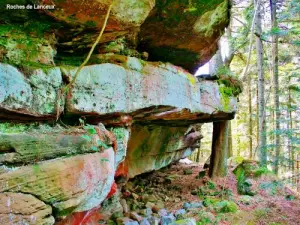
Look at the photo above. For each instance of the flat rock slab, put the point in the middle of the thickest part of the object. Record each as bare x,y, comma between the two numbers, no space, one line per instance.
46,142
155,92
154,147
76,183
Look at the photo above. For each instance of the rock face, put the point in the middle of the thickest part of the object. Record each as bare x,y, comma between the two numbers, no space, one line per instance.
147,107
184,33
78,181
153,147
18,208
65,151
147,92
71,184
45,142
34,95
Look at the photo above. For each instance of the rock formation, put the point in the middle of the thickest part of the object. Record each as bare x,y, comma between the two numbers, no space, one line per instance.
61,153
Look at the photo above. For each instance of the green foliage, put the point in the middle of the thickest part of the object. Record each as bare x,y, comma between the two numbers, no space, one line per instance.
236,159
91,23
261,212
240,180
225,71
243,185
229,85
211,190
211,185
289,197
205,218
210,201
226,207
221,206
261,171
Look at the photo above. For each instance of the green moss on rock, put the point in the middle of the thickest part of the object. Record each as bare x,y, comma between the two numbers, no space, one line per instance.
210,20
26,44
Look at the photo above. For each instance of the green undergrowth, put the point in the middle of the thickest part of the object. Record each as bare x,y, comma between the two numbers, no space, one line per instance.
226,78
210,189
229,86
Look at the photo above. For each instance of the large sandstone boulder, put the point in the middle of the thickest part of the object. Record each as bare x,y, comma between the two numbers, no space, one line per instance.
21,144
66,170
184,33
155,92
77,183
154,147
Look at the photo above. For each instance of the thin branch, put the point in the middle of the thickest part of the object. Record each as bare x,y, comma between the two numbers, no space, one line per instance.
62,91
251,40
239,20
91,51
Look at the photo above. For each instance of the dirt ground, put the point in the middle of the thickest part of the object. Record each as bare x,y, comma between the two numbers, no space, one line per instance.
171,187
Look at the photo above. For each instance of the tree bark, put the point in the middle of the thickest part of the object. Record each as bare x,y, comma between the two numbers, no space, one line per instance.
261,91
198,155
230,152
219,155
276,85
291,149
257,120
250,132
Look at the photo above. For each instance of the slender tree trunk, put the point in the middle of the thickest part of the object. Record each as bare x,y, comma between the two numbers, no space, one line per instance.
257,120
198,155
292,159
250,132
276,85
239,145
230,152
261,91
289,142
219,154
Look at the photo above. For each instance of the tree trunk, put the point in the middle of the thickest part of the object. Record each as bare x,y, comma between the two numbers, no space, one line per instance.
230,152
276,85
250,117
261,91
198,155
257,120
219,154
292,152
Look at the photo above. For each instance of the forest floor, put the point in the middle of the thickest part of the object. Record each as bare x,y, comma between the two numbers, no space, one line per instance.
178,188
